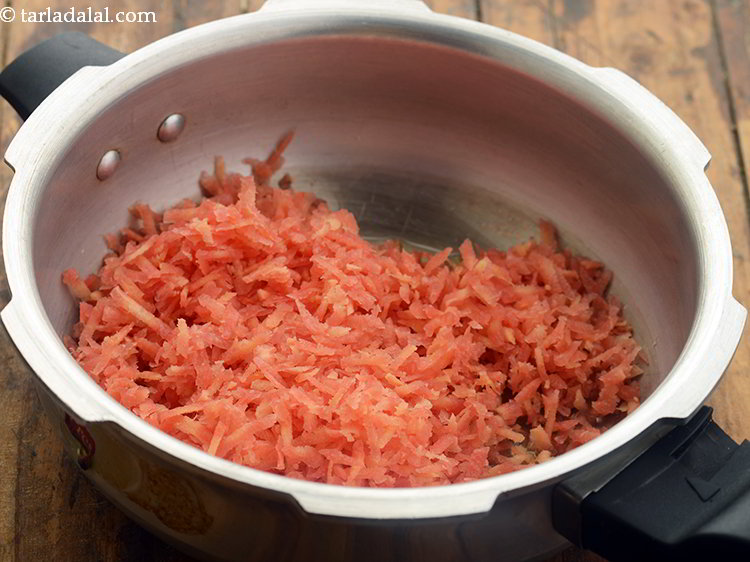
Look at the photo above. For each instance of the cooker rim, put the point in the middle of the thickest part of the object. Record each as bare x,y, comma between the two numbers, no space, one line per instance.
713,338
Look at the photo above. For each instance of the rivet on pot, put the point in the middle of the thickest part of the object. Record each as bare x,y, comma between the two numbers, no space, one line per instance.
171,128
108,164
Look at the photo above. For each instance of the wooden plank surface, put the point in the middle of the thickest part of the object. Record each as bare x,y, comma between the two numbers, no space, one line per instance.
732,22
694,54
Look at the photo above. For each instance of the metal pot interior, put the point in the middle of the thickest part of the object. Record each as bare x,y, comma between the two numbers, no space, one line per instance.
425,143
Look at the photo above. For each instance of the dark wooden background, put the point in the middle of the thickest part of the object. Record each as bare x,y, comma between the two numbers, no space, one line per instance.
694,54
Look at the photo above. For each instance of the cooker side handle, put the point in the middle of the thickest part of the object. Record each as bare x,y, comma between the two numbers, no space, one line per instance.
687,497
36,73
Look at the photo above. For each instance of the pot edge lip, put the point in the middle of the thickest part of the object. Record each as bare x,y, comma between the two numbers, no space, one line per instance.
312,496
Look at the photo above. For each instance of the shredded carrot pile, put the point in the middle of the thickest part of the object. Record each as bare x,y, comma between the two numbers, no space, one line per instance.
260,327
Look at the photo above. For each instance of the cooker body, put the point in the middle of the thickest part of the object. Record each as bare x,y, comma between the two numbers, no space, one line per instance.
423,143
214,518
428,129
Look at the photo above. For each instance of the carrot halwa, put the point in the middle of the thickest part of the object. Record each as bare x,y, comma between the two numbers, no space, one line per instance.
259,326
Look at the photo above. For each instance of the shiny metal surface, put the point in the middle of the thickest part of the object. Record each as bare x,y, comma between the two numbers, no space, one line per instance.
429,128
108,164
171,128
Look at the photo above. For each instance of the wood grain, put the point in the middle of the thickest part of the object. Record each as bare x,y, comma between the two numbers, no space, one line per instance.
733,27
531,18
694,54
9,403
672,47
188,13
46,506
14,377
462,8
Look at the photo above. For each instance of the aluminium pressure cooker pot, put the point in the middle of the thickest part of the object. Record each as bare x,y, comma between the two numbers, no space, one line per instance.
448,129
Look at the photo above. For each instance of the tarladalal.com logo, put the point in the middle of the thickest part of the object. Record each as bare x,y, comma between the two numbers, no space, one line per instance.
7,14
75,15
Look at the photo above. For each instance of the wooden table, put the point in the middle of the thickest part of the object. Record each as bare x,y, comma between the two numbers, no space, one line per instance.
694,54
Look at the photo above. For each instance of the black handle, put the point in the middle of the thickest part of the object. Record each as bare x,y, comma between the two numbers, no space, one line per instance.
29,79
686,497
